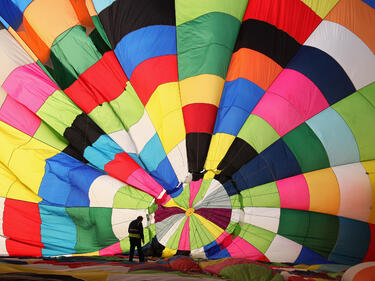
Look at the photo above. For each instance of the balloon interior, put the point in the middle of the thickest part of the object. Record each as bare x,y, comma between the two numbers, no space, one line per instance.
235,128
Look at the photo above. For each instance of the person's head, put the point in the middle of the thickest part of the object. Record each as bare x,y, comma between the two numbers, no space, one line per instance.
140,218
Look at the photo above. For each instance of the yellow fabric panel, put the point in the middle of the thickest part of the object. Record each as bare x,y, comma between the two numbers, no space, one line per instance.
168,253
321,7
49,18
370,170
212,228
204,88
12,188
87,254
22,43
219,146
172,203
324,191
164,109
358,17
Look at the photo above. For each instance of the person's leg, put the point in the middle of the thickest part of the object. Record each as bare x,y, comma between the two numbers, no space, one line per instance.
140,252
132,247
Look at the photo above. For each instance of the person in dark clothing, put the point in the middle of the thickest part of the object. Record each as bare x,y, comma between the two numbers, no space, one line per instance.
136,236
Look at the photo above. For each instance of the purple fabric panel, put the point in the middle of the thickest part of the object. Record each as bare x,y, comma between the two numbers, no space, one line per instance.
220,217
162,212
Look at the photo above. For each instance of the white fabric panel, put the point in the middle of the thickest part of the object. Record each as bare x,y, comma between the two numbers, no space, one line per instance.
352,271
3,247
123,139
2,202
103,190
11,55
283,250
163,240
178,159
3,96
214,186
121,218
355,191
347,49
198,253
142,131
237,215
267,218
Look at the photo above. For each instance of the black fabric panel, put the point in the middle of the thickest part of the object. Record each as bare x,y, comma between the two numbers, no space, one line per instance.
239,153
125,16
182,253
82,133
197,145
267,39
71,151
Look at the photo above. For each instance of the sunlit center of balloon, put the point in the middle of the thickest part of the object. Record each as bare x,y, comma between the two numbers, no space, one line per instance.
189,212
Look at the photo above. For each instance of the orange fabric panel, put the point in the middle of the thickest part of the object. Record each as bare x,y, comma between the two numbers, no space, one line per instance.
33,41
253,66
362,24
324,191
82,12
22,43
365,274
91,8
49,18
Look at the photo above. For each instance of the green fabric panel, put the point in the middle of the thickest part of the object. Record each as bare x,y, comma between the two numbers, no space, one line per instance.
199,235
128,107
231,227
258,237
46,71
100,29
72,53
202,190
99,42
359,114
307,148
104,116
236,201
249,272
175,238
94,228
128,197
59,111
189,10
183,199
205,45
368,93
49,136
258,133
125,244
265,195
316,231
149,232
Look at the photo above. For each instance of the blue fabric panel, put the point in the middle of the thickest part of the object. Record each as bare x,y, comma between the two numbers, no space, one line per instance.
145,43
22,4
11,13
222,254
153,153
212,249
307,256
229,188
336,137
370,2
324,72
102,151
165,175
135,157
100,5
352,242
58,232
62,175
275,163
3,22
237,102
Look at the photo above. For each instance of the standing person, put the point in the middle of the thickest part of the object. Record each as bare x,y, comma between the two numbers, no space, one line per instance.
136,235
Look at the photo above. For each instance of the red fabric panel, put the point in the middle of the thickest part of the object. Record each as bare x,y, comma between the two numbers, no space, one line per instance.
292,16
199,117
370,256
21,223
121,167
104,81
151,73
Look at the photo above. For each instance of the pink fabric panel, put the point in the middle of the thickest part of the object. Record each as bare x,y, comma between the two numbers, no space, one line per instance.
148,184
291,99
194,188
222,238
19,117
110,250
294,193
242,249
30,86
184,244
